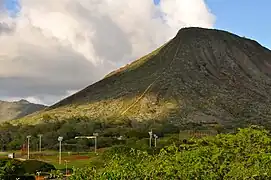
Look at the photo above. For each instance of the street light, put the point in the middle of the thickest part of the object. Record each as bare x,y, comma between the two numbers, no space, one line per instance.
95,134
60,138
66,164
150,133
28,139
155,137
40,135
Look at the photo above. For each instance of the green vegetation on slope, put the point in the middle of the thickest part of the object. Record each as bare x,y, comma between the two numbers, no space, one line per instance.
245,155
137,63
200,76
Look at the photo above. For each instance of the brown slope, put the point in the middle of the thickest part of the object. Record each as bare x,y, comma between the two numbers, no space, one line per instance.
201,75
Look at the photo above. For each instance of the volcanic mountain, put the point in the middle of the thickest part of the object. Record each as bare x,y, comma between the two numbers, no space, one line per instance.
200,76
17,109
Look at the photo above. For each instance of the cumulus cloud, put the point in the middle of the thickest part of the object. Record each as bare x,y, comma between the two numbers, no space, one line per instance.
55,47
6,28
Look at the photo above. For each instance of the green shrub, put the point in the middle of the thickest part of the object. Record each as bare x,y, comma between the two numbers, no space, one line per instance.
116,150
33,166
11,167
244,155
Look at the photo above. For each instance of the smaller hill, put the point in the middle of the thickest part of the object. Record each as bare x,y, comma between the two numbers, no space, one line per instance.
17,109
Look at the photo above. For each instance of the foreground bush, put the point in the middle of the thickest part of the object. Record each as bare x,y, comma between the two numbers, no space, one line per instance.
32,166
12,168
245,155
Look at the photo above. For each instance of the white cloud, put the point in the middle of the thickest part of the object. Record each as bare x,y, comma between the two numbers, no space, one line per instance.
55,47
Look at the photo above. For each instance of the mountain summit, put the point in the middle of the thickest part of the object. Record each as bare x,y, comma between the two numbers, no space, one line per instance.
200,76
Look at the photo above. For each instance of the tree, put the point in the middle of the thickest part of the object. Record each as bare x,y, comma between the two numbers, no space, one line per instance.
244,155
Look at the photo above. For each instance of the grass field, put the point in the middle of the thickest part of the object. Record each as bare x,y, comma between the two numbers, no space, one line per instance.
82,159
72,159
3,153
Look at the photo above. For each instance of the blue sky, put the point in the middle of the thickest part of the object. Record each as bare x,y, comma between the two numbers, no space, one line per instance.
13,6
249,18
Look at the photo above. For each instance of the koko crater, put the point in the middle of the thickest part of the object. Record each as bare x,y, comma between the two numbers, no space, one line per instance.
202,76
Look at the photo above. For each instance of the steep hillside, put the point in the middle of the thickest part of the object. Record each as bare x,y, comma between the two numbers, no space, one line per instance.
200,76
18,109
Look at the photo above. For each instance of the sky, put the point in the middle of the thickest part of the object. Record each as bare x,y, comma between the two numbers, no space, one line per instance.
51,49
247,18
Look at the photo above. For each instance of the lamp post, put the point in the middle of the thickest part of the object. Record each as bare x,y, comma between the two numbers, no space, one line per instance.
40,135
66,165
28,141
96,135
60,138
150,133
155,138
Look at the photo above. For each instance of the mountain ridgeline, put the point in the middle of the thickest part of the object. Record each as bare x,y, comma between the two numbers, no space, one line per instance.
202,76
18,109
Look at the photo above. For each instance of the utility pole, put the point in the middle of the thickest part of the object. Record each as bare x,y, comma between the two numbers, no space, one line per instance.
155,138
28,141
40,135
66,165
150,133
60,139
